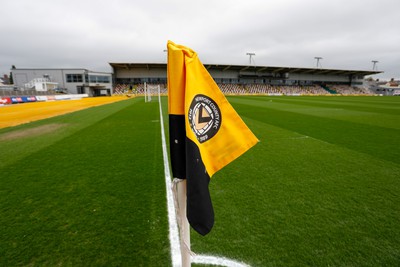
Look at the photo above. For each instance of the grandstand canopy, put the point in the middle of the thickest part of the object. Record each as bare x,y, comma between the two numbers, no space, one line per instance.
129,66
136,73
271,69
255,69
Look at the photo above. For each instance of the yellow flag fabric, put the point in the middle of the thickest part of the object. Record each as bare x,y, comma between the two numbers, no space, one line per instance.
206,133
227,136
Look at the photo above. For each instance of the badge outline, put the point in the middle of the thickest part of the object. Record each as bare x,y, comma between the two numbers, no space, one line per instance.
200,103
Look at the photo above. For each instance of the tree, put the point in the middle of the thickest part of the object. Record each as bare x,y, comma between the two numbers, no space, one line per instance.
10,79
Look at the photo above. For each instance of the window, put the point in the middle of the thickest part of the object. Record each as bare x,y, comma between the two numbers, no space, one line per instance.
99,79
74,78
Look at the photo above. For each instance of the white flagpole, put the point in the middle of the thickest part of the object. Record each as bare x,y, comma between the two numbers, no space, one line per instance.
179,192
184,224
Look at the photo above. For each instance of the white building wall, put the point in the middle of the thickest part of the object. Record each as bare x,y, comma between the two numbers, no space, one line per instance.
72,87
23,76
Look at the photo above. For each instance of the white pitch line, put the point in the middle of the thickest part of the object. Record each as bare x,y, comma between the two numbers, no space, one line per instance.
173,226
207,259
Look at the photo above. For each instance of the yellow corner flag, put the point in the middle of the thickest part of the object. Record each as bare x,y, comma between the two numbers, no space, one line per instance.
206,133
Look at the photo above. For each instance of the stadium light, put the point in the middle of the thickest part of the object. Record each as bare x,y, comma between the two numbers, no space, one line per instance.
250,56
165,58
374,66
318,63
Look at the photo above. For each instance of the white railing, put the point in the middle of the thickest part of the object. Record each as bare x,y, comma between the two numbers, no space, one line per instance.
32,83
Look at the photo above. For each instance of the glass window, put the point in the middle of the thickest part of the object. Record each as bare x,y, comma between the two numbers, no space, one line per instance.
92,79
99,79
74,78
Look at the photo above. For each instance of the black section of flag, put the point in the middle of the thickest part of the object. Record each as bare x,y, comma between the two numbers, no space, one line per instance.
177,140
200,212
186,163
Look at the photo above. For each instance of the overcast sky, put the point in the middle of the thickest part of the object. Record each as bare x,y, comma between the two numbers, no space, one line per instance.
347,34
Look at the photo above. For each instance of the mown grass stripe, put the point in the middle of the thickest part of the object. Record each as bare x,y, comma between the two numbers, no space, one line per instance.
292,200
95,197
305,202
333,103
369,117
373,101
13,149
374,140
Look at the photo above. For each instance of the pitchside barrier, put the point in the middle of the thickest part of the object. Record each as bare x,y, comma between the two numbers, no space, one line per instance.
27,99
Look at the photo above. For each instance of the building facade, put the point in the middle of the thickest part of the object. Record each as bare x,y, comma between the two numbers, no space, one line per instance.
71,81
136,73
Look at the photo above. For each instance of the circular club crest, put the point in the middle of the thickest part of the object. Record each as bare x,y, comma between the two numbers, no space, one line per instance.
204,117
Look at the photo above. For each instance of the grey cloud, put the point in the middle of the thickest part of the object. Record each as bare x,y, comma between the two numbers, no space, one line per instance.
89,34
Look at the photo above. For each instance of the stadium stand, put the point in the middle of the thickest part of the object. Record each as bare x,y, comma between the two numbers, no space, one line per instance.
232,89
264,89
237,89
137,89
253,80
349,90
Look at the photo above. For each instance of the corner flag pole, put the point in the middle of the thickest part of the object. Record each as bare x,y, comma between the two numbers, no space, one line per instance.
179,192
183,223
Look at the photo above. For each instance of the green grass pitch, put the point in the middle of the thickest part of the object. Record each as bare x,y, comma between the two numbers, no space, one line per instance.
322,188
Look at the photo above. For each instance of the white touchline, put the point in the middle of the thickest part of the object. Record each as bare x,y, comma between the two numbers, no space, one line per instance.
173,226
206,259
